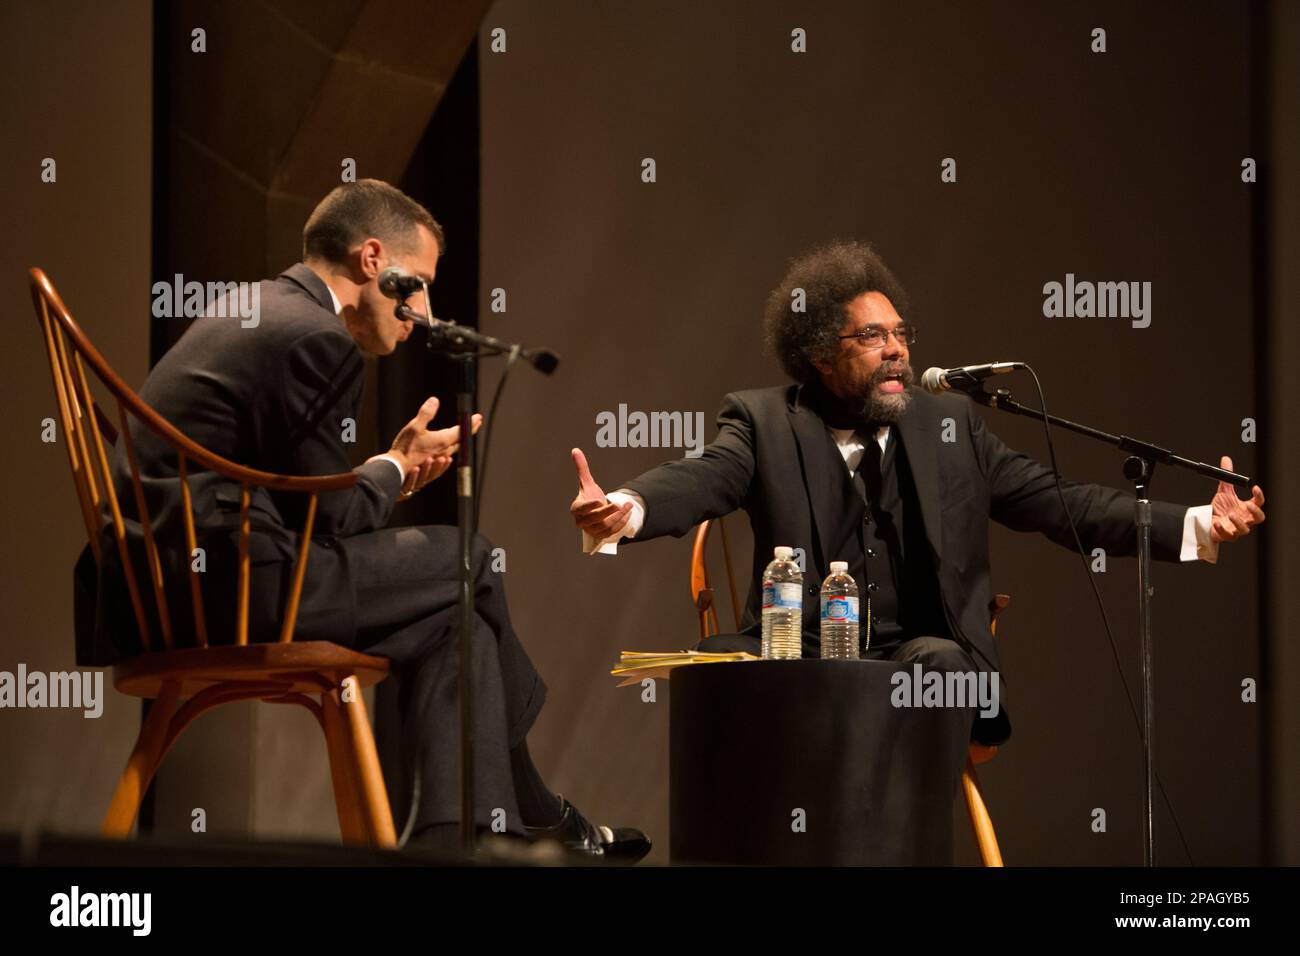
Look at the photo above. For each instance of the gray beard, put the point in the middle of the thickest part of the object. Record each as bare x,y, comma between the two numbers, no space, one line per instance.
878,407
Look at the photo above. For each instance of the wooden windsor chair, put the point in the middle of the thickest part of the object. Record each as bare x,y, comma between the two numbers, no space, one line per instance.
183,683
702,597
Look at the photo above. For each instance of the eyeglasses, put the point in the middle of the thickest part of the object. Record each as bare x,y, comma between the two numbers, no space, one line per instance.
873,337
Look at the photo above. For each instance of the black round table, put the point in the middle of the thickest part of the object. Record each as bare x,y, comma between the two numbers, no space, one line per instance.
808,763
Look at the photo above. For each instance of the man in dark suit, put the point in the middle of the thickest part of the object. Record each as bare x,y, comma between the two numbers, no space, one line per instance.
853,463
282,394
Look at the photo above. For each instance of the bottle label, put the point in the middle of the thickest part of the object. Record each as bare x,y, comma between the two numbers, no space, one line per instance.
840,610
787,594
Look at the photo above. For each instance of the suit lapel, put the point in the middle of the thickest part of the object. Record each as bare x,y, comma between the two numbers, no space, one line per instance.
915,432
823,483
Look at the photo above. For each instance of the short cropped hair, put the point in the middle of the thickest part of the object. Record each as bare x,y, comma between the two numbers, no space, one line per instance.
831,275
365,209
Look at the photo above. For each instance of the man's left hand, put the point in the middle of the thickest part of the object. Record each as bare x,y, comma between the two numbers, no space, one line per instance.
423,473
1233,518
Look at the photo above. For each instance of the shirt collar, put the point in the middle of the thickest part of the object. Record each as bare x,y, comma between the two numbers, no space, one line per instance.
338,306
842,435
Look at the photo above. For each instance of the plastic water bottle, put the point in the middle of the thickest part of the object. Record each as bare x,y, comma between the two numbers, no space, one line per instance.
782,607
839,615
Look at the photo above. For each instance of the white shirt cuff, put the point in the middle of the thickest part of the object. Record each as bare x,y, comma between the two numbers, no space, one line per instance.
396,464
634,522
1197,543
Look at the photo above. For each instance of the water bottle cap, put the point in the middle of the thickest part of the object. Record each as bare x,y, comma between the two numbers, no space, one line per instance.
784,553
839,566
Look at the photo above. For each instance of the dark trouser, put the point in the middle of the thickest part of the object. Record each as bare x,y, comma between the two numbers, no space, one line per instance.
406,587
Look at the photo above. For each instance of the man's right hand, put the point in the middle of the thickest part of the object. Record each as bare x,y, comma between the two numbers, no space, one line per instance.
591,510
430,451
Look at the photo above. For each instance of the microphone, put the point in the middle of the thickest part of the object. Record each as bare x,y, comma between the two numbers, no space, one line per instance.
544,360
964,377
396,284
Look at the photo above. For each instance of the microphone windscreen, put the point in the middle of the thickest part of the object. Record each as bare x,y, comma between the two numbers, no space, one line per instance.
544,361
932,380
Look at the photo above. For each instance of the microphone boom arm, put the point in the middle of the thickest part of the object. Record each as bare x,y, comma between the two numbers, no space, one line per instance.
1154,453
461,338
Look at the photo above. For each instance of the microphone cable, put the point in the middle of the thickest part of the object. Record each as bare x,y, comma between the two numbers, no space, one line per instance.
1101,606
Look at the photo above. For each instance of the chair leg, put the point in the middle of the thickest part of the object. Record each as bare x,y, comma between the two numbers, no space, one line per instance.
352,825
377,813
980,820
142,764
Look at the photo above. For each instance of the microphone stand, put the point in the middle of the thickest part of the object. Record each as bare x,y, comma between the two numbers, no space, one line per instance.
1138,468
465,346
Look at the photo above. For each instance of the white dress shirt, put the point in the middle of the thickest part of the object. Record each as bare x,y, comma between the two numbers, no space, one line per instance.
1197,543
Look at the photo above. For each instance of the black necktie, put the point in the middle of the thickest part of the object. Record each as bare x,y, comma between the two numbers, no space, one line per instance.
867,477
868,473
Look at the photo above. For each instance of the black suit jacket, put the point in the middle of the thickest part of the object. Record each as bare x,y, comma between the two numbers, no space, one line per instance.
776,459
274,397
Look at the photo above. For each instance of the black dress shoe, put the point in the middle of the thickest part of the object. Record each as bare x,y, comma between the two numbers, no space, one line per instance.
590,843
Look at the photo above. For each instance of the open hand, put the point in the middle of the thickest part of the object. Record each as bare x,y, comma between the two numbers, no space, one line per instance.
426,453
1233,518
423,473
591,510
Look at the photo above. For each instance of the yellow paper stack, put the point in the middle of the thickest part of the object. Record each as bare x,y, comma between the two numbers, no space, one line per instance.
636,666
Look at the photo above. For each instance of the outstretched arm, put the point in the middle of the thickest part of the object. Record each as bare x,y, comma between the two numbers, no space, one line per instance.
675,496
1022,496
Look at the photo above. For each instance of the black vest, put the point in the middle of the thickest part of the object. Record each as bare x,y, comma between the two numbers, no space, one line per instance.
886,547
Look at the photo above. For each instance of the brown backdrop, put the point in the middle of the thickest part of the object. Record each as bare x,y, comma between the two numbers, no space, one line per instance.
83,101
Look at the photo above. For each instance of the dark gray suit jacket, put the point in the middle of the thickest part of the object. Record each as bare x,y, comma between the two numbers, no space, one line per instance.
775,459
272,397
